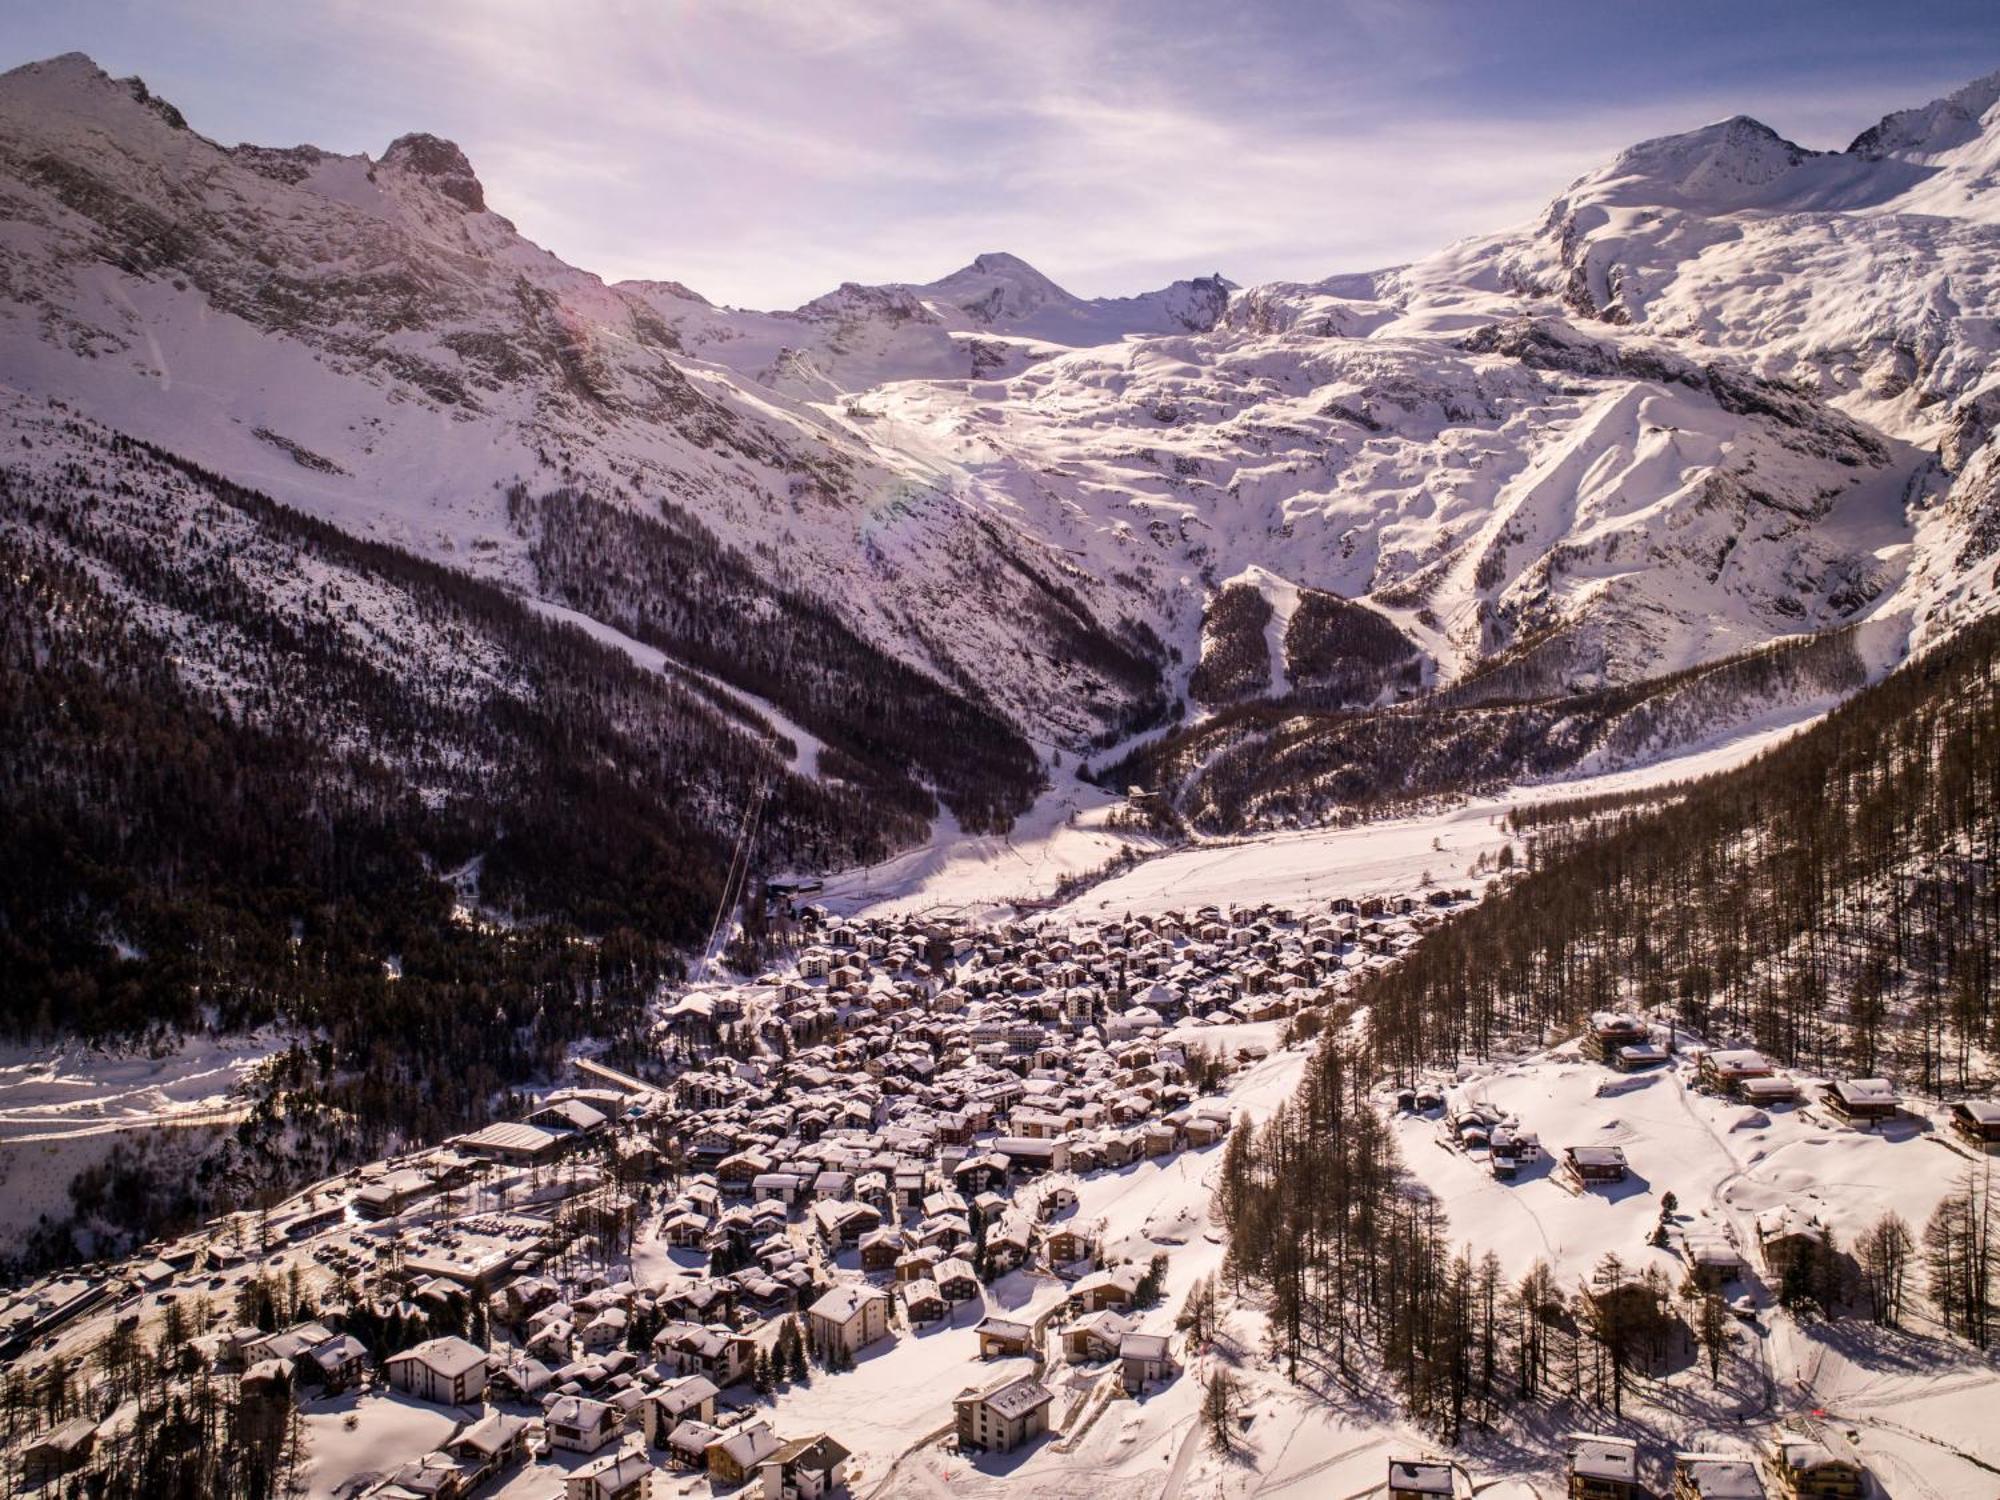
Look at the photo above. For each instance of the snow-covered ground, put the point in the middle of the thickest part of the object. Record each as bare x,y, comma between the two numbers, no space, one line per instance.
61,1110
1065,836
902,1392
1916,1413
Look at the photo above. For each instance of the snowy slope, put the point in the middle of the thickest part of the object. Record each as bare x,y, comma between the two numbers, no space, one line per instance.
366,340
1724,392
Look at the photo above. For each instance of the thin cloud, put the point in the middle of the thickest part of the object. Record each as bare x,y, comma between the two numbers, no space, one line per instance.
763,150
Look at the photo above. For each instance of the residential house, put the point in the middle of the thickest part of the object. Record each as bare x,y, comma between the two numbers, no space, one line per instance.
1807,1469
581,1425
1864,1101
1715,1476
690,1397
1724,1071
1003,1336
1004,1416
1790,1237
618,1476
847,1319
447,1370
923,1302
735,1454
1420,1479
489,1446
804,1469
1603,1468
1144,1360
1591,1165
1977,1122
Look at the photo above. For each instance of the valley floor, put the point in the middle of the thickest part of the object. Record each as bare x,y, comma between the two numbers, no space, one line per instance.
1065,836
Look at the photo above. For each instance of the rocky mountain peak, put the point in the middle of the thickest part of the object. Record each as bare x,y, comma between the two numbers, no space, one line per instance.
1721,164
70,70
1957,118
442,163
74,83
1000,263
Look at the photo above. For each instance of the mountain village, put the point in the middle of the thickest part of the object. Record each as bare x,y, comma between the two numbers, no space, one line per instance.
1053,708
898,1159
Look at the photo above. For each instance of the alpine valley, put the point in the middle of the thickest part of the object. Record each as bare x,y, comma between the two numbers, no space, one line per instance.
420,658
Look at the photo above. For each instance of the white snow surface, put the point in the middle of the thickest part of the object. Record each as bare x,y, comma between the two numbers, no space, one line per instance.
978,876
356,337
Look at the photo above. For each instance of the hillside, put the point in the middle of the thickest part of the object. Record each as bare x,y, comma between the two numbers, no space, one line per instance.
1724,392
403,604
1836,901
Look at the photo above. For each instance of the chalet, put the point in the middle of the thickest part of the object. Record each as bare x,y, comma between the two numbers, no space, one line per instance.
688,1444
1143,1360
804,1469
1055,1199
956,1281
1611,1031
59,1451
923,1302
1419,1479
1715,1476
736,1454
1509,1148
686,1230
737,1172
1779,1088
1115,1287
619,1476
448,1370
1790,1237
979,1174
1639,1056
1977,1122
842,1224
1603,1468
552,1340
1724,1071
920,1263
1207,1126
433,1476
489,1446
581,1425
1712,1260
780,1187
690,1397
1003,1336
1065,1245
1805,1469
606,1331
1024,1155
1590,1165
1003,1417
337,1363
522,1378
1863,1101
848,1319
721,1354
881,1249
1095,1336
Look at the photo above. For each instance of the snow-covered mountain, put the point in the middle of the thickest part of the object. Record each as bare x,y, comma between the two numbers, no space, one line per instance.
1725,392
365,339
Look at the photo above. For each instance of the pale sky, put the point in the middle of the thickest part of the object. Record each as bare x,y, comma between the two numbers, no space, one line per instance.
764,152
